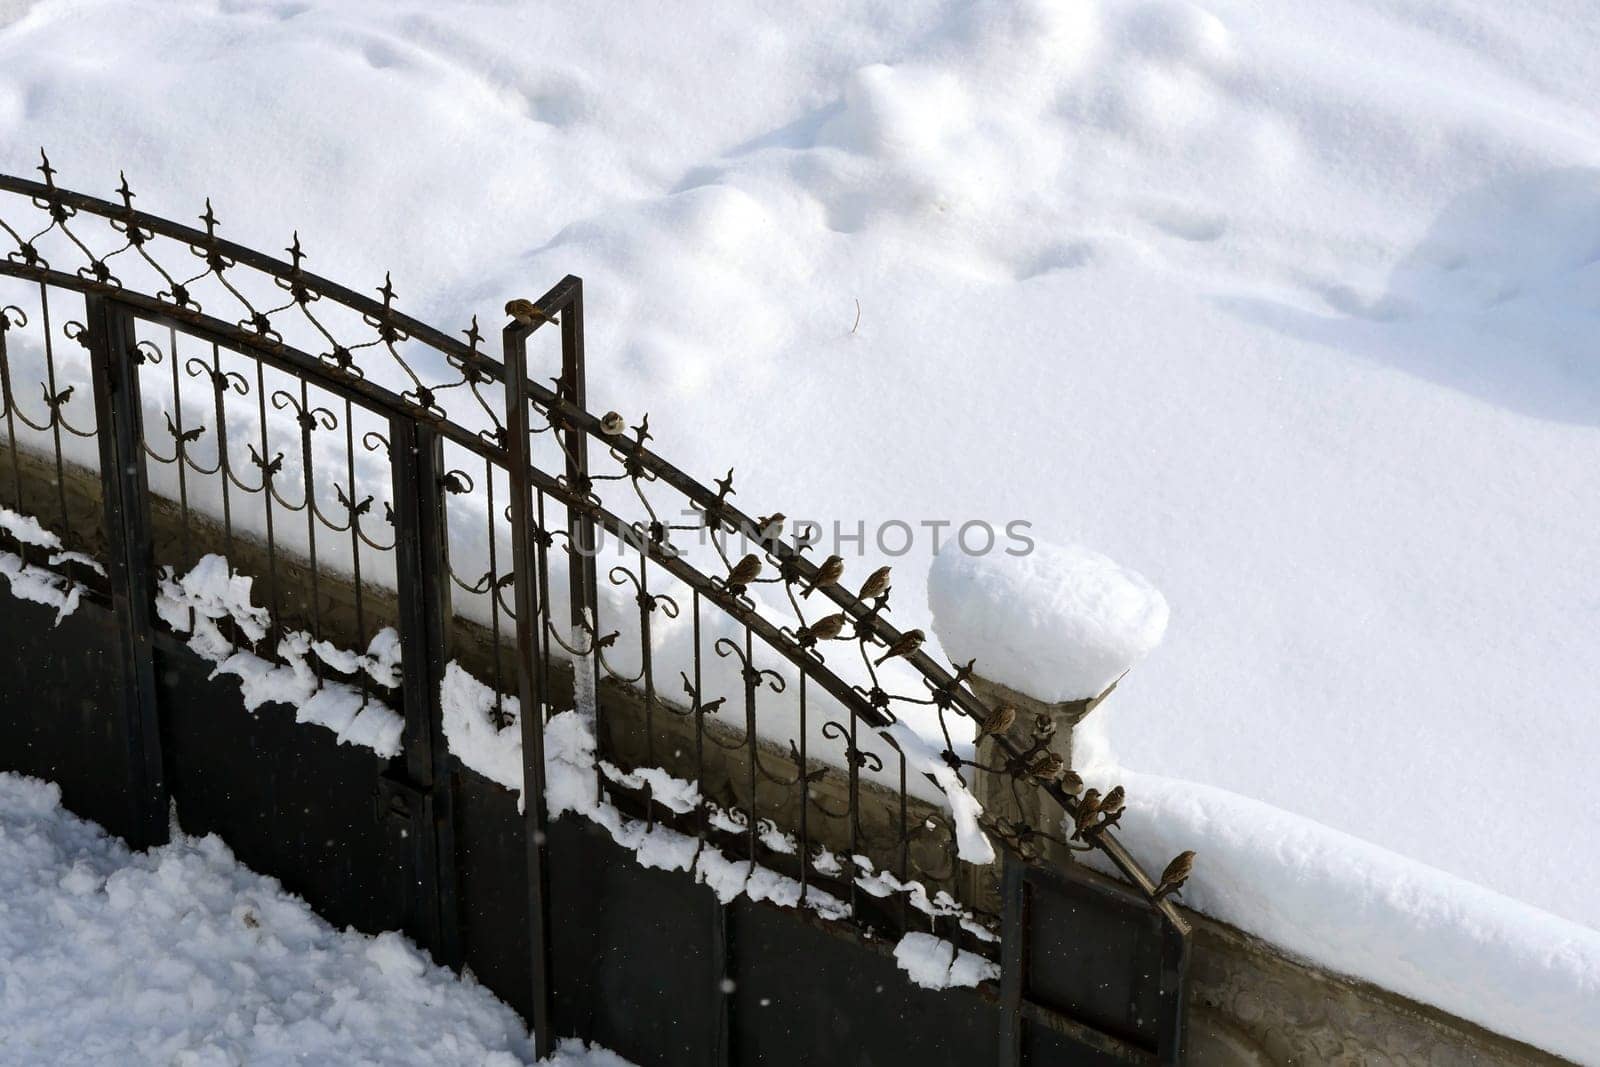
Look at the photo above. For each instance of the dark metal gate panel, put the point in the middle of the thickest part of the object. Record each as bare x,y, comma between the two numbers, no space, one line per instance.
635,952
493,889
288,799
59,709
806,995
1088,960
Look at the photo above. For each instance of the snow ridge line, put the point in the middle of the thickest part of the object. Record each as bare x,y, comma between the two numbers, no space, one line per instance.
212,591
41,585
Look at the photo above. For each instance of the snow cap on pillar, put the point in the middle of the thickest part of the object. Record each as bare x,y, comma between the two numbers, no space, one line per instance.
1061,623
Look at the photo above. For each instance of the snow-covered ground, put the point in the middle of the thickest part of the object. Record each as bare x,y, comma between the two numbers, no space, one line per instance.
182,957
1291,308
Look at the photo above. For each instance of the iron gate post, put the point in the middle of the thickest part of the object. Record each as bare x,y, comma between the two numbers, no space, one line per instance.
114,367
531,683
422,581
567,297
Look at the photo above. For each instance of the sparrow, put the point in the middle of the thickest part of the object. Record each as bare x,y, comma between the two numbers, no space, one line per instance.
828,574
1175,875
825,628
908,643
1071,782
744,572
875,586
767,522
526,312
999,720
1113,803
612,423
1046,766
1088,808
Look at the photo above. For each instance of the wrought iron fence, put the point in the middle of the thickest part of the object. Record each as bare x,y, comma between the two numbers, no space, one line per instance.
382,479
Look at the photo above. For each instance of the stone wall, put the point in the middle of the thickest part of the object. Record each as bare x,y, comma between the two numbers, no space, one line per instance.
1250,1004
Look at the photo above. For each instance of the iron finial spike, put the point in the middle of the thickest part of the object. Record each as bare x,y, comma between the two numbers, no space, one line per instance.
123,190
46,169
472,334
387,292
295,252
210,219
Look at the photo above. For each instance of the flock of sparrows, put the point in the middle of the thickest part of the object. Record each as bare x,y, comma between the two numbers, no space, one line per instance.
1094,813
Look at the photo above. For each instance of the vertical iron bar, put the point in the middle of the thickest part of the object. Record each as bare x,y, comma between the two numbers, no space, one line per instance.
704,813
10,404
646,608
580,523
805,799
853,756
224,465
55,410
905,856
501,715
531,683
267,494
115,371
307,421
352,492
542,589
750,678
422,576
187,558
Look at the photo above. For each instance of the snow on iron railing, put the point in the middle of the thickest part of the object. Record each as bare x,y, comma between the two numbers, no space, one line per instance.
483,731
40,584
212,593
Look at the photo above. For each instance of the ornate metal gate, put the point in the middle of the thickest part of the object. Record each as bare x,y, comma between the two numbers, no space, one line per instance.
410,503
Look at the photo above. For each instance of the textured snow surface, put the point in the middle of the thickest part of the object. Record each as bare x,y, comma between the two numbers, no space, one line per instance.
1290,308
212,592
40,585
27,529
181,956
1060,623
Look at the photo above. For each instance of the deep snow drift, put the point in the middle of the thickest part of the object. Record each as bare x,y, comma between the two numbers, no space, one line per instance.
181,956
1291,308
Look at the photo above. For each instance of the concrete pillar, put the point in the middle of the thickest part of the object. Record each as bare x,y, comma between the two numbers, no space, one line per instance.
1009,799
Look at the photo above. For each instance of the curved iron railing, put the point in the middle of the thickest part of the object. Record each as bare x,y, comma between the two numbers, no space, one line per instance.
389,374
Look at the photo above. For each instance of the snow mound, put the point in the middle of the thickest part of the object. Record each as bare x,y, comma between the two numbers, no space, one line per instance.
1357,909
1059,623
493,749
182,956
934,963
26,528
196,602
